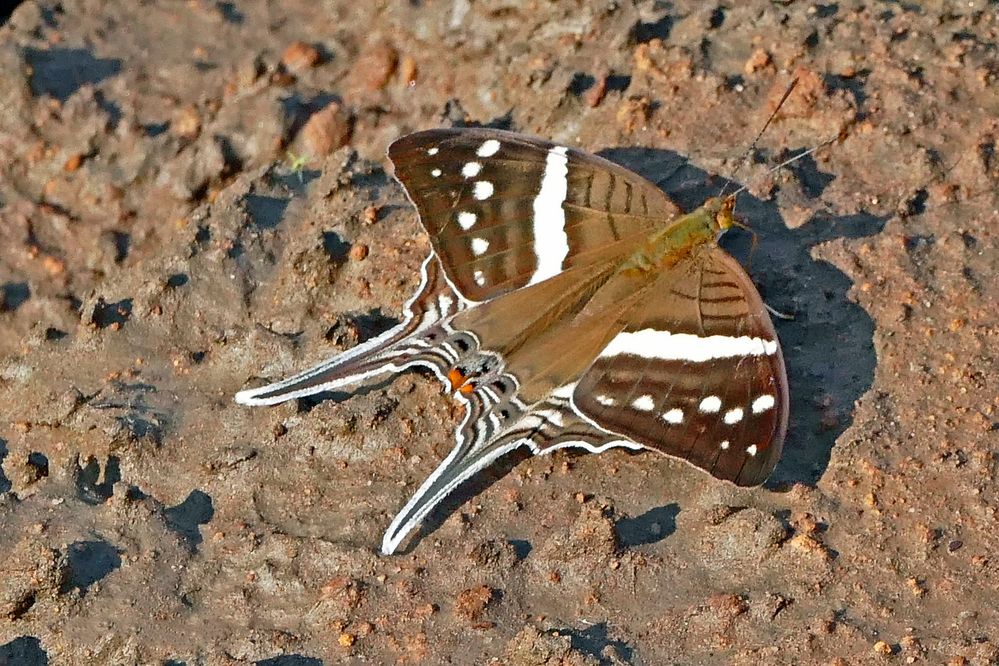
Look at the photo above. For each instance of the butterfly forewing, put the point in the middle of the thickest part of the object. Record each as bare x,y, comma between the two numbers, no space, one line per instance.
504,210
696,373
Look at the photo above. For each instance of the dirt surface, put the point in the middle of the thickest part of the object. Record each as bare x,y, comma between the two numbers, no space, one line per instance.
193,195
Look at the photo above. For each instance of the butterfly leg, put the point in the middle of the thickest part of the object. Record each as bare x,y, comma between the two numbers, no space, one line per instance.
401,347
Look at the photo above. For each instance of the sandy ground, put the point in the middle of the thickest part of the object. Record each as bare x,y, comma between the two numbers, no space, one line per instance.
193,195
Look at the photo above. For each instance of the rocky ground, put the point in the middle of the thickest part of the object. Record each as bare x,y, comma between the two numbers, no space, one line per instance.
196,194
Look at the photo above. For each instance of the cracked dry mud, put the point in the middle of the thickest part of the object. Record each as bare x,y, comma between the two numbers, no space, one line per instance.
194,195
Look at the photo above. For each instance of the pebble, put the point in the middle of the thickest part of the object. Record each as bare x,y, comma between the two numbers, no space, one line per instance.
760,59
358,252
73,163
375,67
299,56
327,130
185,123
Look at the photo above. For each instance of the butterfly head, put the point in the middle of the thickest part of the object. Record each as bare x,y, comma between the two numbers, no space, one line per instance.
722,212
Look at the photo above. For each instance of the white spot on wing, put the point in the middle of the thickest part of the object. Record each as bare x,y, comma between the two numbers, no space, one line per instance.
763,403
733,416
480,279
551,243
466,220
605,400
436,173
674,416
724,445
433,151
751,450
644,403
710,405
650,343
471,169
483,189
488,148
479,245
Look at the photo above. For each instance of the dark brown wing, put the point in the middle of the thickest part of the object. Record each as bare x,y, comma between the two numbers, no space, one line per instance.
505,210
697,373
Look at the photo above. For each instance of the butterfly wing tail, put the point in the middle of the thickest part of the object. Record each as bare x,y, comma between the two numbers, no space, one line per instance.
482,438
491,429
394,350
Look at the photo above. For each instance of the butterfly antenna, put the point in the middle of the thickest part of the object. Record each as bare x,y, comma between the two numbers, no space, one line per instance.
839,137
759,135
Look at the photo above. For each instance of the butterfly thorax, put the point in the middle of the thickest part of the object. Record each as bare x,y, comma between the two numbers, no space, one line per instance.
667,246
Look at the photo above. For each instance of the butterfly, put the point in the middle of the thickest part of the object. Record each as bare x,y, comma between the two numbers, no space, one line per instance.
568,302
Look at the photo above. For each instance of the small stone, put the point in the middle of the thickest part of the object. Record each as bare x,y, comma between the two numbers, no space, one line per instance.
757,61
185,123
53,265
327,130
911,644
358,252
882,648
472,602
376,66
299,56
73,163
596,94
809,544
954,545
915,587
804,522
346,640
634,112
408,70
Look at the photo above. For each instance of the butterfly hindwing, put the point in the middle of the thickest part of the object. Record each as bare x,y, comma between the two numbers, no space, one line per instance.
414,341
696,372
504,210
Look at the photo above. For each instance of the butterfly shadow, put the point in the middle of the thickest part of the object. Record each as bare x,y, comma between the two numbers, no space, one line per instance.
828,345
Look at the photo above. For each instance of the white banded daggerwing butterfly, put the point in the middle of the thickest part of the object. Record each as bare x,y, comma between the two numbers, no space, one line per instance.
567,302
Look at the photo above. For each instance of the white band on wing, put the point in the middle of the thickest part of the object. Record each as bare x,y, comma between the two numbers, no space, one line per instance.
650,343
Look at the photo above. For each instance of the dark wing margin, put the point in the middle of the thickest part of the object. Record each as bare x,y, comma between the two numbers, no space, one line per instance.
696,373
505,210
